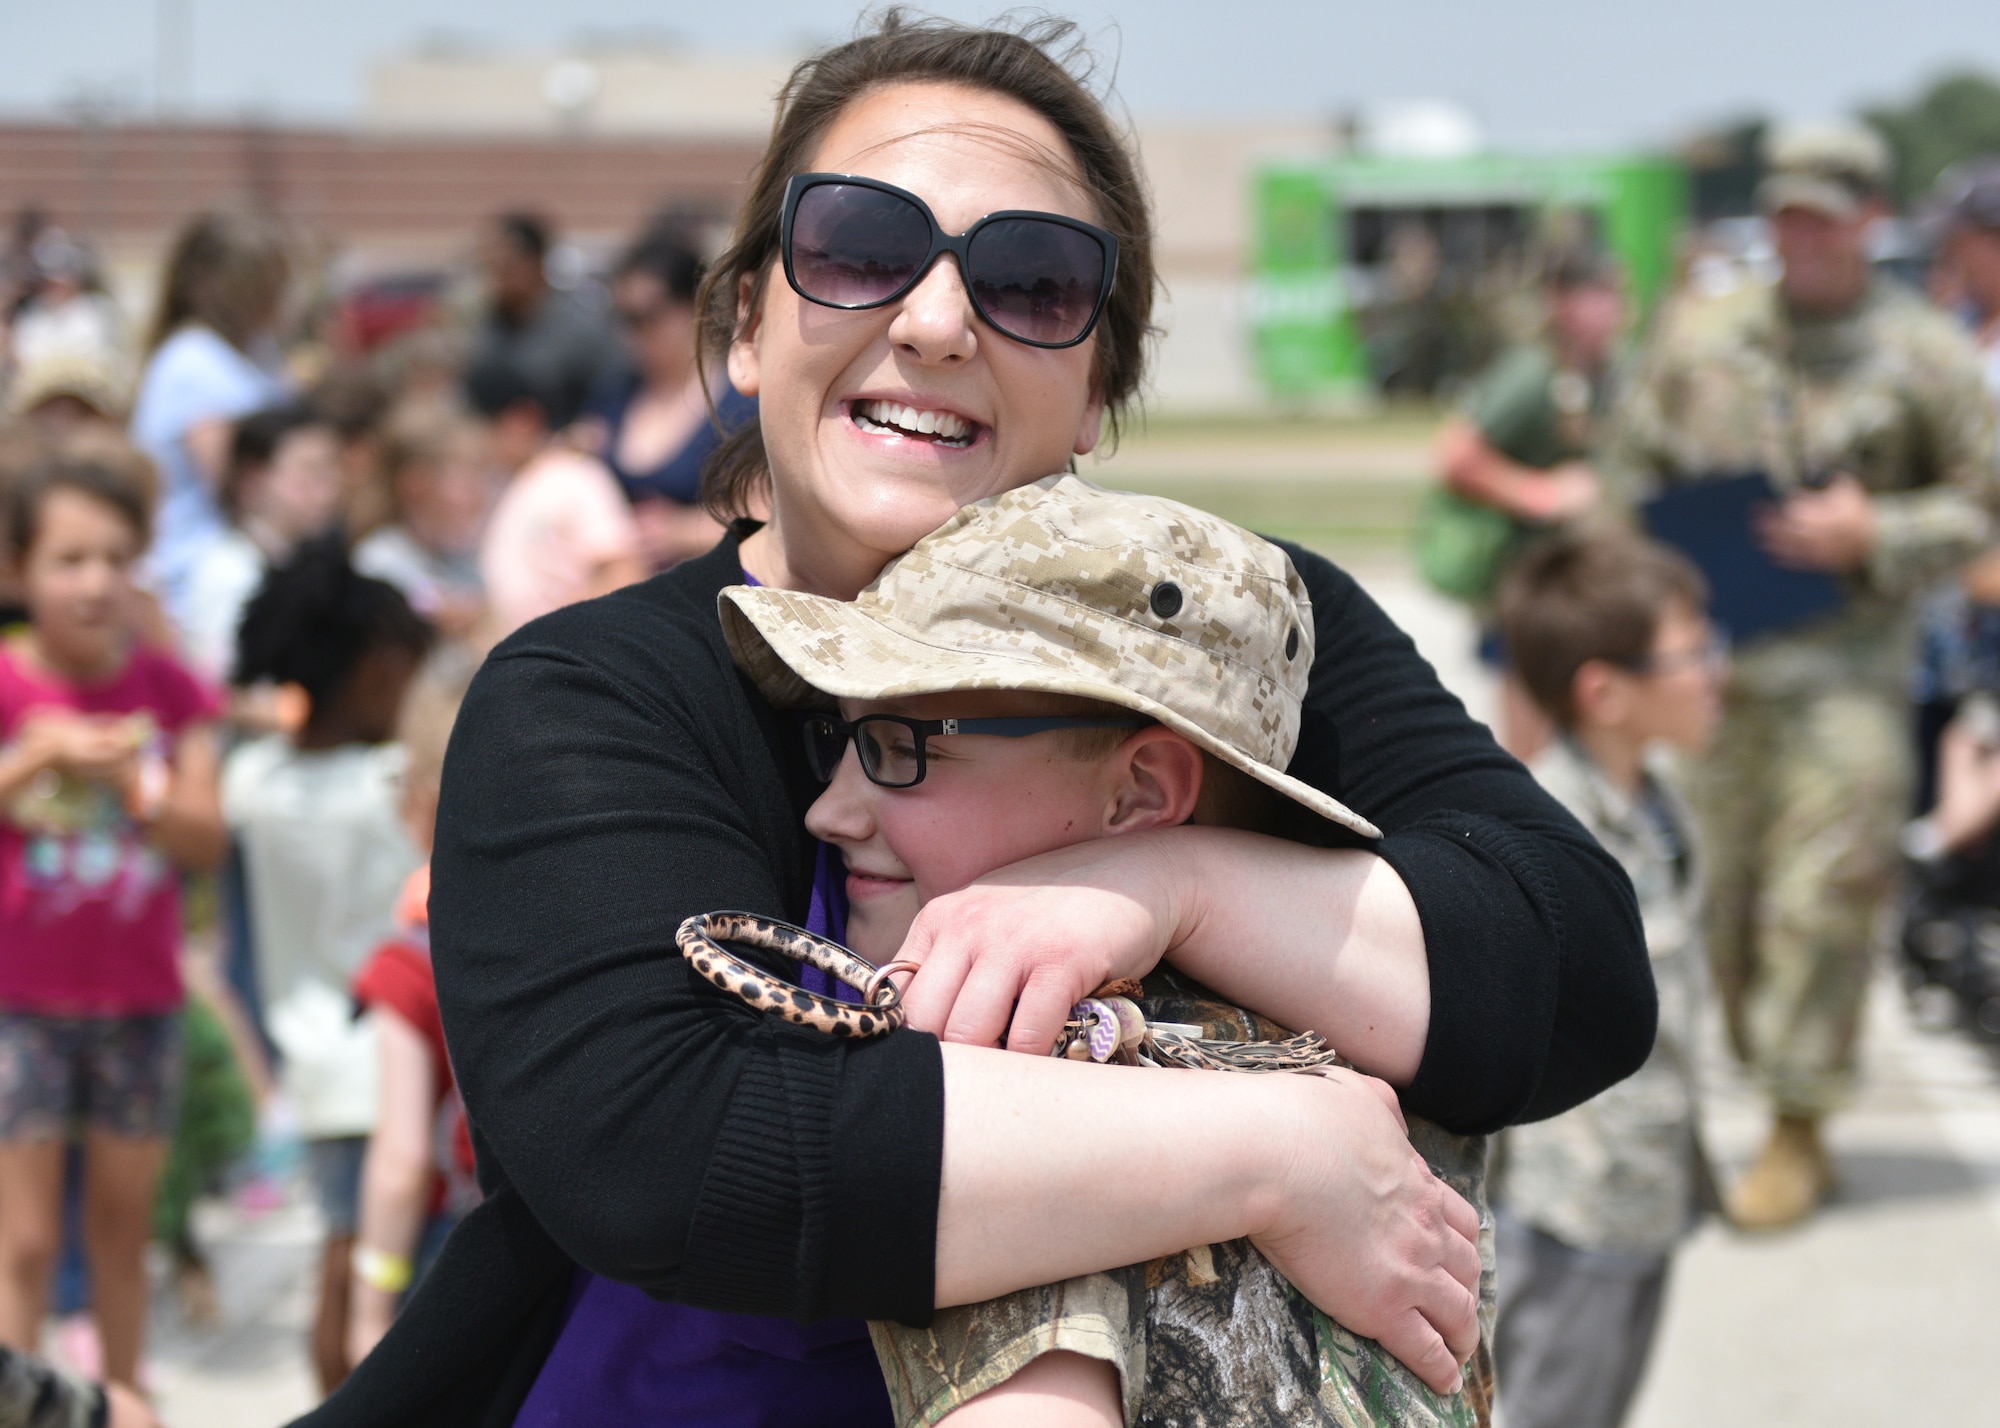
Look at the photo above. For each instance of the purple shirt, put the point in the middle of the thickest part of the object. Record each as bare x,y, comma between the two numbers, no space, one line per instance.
624,1357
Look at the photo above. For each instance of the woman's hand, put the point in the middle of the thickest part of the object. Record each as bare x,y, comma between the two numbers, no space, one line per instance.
1009,955
1370,1235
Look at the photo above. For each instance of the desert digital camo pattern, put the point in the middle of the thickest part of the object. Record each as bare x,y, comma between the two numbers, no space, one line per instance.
1062,587
34,1394
1890,393
1212,1337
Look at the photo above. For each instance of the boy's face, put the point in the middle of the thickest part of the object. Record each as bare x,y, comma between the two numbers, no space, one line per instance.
299,493
985,801
1677,698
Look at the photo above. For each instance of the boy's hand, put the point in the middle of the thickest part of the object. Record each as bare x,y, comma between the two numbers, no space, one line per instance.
1370,1235
1008,956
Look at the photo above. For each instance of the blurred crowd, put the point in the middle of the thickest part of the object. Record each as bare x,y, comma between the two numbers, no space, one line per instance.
1800,456
251,566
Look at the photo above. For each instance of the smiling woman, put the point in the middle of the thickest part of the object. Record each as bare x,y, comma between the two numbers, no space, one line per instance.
691,1208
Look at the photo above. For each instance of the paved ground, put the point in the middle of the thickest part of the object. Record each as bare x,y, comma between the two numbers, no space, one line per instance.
1881,1312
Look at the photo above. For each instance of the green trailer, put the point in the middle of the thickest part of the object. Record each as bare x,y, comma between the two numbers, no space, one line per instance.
1321,229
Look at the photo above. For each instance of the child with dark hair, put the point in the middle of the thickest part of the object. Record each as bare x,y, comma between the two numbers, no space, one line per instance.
108,782
1609,634
282,485
562,530
315,814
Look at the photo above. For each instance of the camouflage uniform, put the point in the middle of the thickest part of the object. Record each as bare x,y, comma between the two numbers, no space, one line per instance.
35,1395
1801,799
1208,1338
1614,1183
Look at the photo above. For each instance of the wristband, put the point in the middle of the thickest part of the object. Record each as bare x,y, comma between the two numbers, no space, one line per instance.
378,1269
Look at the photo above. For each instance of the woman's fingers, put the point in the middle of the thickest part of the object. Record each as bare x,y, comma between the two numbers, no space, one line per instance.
1413,1339
1043,1009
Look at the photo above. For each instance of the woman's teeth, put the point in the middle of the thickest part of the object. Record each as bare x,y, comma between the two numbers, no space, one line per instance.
945,428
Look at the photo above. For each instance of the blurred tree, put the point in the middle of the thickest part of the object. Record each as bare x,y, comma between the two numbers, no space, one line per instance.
1956,118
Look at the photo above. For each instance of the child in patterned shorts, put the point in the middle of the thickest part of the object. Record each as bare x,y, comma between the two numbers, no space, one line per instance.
1056,664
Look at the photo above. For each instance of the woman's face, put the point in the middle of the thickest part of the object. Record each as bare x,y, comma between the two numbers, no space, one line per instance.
658,328
852,484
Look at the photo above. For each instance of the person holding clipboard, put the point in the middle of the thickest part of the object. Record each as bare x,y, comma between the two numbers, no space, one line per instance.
1824,448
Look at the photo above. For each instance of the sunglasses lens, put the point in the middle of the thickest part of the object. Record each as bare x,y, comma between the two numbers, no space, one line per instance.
852,246
825,743
1036,280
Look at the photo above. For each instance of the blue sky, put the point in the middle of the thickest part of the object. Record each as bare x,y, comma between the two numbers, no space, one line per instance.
1580,72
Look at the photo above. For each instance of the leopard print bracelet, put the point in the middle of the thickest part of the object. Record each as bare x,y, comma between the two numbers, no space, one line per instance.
703,940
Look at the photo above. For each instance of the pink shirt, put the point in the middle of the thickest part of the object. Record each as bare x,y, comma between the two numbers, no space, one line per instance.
90,913
560,519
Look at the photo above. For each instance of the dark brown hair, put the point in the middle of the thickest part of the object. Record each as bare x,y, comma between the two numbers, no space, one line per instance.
1580,596
100,465
227,271
1042,63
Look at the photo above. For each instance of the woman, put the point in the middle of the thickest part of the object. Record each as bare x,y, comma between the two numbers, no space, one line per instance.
211,360
611,774
651,422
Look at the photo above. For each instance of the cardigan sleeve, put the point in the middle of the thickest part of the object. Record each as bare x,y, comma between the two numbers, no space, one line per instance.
1541,992
607,778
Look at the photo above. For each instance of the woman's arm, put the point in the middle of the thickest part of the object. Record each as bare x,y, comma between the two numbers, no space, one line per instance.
396,1176
1052,1169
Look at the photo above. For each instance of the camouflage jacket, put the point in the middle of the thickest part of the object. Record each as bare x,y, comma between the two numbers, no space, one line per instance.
35,1395
1890,393
1212,1337
1623,1170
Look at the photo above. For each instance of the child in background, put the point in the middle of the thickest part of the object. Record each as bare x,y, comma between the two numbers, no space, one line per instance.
108,782
562,530
417,1178
1610,636
440,489
1054,665
324,856
282,485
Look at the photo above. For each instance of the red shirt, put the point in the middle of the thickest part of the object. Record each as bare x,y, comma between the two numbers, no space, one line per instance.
90,912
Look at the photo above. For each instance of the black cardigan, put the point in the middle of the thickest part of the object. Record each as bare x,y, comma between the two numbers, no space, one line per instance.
612,773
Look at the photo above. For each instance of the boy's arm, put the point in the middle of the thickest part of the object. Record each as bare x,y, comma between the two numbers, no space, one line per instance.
1057,1390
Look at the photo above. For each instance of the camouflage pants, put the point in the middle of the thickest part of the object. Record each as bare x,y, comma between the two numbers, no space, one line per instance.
1800,803
1213,1337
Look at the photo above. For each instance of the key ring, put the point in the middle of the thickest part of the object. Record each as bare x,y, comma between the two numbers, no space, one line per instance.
703,938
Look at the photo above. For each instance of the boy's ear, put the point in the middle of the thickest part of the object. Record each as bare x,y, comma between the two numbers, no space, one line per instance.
1600,694
1156,780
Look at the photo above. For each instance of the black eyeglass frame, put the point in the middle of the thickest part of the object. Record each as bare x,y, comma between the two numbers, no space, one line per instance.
941,242
923,730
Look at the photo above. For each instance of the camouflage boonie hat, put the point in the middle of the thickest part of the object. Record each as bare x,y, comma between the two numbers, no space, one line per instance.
1064,588
1832,166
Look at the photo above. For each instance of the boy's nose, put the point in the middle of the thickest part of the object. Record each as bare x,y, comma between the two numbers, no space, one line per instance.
845,813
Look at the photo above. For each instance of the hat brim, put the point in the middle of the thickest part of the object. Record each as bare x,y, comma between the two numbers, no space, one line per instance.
1827,196
783,640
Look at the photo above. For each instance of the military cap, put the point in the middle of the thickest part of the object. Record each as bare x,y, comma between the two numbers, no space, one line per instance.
85,376
1062,587
1832,166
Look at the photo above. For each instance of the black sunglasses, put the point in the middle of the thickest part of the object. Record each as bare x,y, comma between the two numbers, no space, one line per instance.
857,243
892,746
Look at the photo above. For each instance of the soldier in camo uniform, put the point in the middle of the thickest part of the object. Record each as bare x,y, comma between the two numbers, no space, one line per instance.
1032,591
1866,407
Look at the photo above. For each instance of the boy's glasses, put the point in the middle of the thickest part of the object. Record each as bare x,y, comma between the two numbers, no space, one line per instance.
892,747
1712,653
853,243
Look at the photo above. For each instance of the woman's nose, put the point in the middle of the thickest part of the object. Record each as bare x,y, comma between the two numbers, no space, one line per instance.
845,813
935,321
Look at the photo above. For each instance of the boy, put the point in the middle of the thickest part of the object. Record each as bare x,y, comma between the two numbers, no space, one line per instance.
1057,664
1609,634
